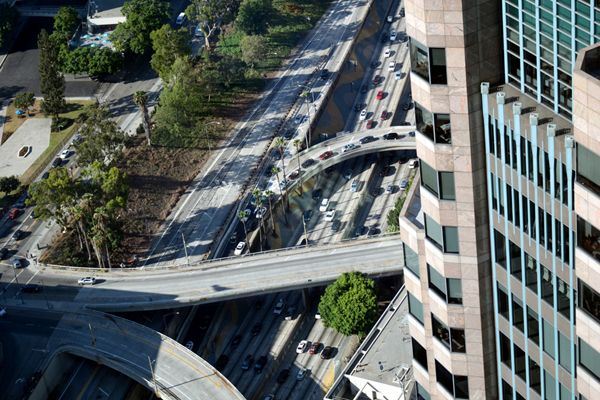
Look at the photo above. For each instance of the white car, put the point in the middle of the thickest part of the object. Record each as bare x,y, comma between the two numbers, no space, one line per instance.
390,18
398,75
181,18
388,52
88,280
393,35
329,215
239,249
261,212
65,154
278,307
299,119
413,164
391,65
302,346
2,312
324,205
363,115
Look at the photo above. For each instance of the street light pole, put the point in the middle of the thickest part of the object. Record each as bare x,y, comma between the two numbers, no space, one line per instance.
153,378
305,233
187,259
92,334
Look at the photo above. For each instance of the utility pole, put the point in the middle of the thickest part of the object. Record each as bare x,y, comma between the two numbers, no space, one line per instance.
187,259
153,378
92,333
305,234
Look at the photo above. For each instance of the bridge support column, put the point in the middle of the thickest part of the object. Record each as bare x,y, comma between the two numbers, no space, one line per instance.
306,298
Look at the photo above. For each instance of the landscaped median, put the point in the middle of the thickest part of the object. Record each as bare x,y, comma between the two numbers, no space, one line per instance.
394,213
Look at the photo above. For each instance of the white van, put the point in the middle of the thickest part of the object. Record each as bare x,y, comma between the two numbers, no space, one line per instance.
181,18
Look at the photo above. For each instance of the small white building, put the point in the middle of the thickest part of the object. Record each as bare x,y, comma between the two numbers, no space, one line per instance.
104,15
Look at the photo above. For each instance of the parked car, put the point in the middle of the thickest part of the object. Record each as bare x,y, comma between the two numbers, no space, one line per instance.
283,375
390,136
327,353
13,213
354,186
390,18
326,155
367,139
314,348
385,115
363,115
402,12
389,189
278,307
413,164
324,205
370,124
239,249
407,106
16,263
19,234
302,373
379,95
260,364
88,280
397,75
247,363
307,163
181,18
329,215
57,162
384,171
302,346
65,154
359,231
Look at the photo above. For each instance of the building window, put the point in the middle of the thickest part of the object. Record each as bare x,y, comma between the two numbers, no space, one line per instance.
502,301
452,338
589,359
422,394
549,385
548,331
500,252
415,308
505,350
429,64
589,301
441,184
588,238
411,260
456,385
449,289
436,127
517,310
419,354
445,238
532,326
564,351
588,173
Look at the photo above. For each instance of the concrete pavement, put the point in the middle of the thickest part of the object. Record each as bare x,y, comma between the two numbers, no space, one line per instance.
34,132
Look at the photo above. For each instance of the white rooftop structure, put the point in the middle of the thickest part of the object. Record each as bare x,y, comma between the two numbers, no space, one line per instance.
105,13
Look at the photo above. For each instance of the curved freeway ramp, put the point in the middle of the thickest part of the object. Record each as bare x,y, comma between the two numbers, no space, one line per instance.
131,348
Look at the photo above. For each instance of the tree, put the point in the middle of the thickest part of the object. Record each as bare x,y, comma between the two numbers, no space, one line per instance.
9,183
143,17
276,170
168,44
140,98
65,23
52,82
93,61
349,305
8,18
210,15
243,217
253,16
102,140
230,70
257,193
298,146
280,145
254,49
53,197
24,100
269,194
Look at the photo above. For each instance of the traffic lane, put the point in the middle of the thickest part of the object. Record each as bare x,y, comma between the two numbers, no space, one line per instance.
53,287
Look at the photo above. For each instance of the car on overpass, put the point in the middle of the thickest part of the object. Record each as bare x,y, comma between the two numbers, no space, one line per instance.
379,95
363,115
88,280
326,155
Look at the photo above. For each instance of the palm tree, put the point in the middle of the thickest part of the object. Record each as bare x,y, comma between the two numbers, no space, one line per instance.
243,216
276,170
140,98
298,144
280,144
269,195
257,193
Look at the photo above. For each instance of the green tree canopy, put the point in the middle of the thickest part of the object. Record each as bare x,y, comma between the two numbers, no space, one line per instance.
8,18
102,140
53,197
52,81
349,304
24,100
210,15
167,45
143,17
253,16
65,23
93,61
9,183
254,49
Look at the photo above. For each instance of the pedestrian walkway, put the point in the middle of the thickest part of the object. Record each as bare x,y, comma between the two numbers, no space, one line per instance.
34,132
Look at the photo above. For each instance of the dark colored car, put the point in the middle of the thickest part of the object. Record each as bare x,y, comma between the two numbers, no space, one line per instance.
412,133
247,363
375,64
335,226
31,288
258,304
358,107
404,123
364,89
390,136
308,215
376,80
376,192
45,175
385,115
260,364
283,375
327,352
367,139
57,162
326,155
359,231
256,329
236,341
324,73
289,134
13,213
307,163
19,234
402,12
407,106
314,348
222,362
316,194
384,171
373,231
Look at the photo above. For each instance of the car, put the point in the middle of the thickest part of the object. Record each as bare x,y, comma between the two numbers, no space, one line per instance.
367,139
324,205
407,106
3,253
358,107
239,249
31,288
308,215
247,363
45,175
190,345
397,75
324,73
260,213
329,215
294,174
327,353
302,374
412,133
375,64
402,12
260,364
364,89
307,163
19,234
388,52
76,139
314,348
326,155
390,136
376,80
391,66
256,329
405,123
370,124
290,313
354,187
389,189
359,231
181,18
278,307
2,312
393,35
290,133
298,119
379,95
385,115
302,346
222,362
65,154
413,164
348,174
57,162
349,147
384,171
390,18
403,184
234,238
283,184
335,226
283,375
88,280
373,230
363,115
316,194
13,213
270,396
236,341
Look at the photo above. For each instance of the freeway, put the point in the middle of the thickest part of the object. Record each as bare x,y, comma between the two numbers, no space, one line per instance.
217,280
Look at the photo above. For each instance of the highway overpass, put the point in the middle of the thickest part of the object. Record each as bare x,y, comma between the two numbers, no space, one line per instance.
217,280
130,348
